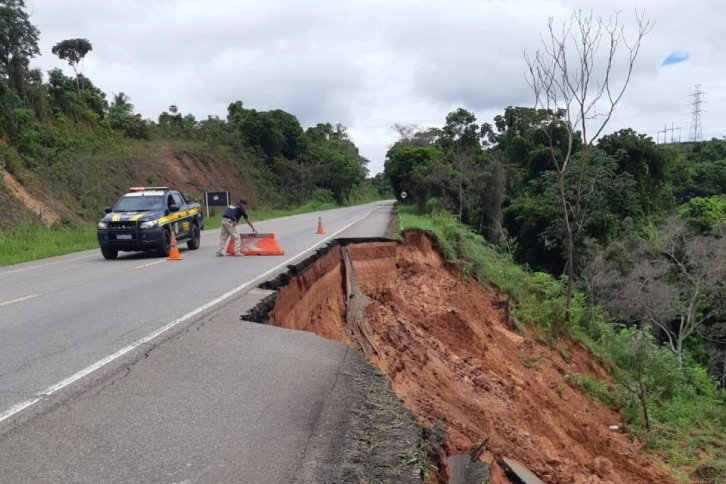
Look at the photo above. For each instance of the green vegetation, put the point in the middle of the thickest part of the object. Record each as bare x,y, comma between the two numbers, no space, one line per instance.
32,242
593,387
673,406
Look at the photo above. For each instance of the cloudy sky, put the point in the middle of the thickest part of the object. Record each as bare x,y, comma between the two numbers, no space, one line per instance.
371,63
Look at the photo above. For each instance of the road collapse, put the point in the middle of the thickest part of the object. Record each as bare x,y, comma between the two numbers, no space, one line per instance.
453,357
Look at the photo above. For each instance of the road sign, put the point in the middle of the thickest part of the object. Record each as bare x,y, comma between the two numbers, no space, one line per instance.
216,199
404,195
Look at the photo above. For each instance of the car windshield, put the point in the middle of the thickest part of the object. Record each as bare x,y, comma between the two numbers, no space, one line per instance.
139,204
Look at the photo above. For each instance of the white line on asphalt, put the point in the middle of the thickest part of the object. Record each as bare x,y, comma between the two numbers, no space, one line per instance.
45,265
150,264
20,299
100,363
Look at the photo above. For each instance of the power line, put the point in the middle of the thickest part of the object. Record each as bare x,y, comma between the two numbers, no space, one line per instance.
696,133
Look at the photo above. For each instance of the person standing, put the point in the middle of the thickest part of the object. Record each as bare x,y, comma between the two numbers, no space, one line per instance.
229,227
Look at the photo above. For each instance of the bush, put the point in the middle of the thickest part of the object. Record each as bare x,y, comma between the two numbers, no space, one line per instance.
11,160
435,205
705,214
322,196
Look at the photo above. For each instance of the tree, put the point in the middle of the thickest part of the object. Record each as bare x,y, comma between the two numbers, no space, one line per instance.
561,76
648,164
462,132
292,141
705,214
91,104
488,184
121,118
676,286
122,103
645,370
73,51
172,122
401,164
18,43
212,129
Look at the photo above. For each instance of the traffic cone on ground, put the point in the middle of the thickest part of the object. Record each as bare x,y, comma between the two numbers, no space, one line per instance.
174,250
320,226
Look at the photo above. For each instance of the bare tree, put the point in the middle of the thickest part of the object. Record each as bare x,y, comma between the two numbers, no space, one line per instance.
700,269
578,91
406,132
675,288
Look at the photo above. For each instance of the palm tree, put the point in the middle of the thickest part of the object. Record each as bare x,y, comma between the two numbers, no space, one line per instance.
121,102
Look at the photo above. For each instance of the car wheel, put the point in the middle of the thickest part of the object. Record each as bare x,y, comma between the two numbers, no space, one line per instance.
196,239
165,246
109,253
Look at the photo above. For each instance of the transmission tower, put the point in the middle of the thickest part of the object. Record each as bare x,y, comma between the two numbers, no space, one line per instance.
696,134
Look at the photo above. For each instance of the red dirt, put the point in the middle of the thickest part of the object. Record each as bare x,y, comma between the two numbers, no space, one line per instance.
194,175
454,360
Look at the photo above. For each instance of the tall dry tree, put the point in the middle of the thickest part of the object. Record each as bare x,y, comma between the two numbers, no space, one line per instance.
580,89
676,286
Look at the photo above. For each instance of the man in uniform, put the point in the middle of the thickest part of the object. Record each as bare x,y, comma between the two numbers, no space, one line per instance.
229,227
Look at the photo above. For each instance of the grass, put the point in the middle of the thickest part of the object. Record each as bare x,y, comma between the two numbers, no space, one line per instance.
597,389
33,242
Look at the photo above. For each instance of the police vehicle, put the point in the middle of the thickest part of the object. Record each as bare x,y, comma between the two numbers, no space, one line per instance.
144,218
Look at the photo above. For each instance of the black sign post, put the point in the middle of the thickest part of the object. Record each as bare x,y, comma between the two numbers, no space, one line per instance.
216,199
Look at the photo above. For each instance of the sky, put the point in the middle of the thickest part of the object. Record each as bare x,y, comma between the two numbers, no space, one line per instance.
369,64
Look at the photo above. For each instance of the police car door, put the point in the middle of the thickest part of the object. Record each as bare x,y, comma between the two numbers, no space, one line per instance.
182,225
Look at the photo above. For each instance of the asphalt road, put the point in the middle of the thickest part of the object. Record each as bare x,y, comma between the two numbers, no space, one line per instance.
139,370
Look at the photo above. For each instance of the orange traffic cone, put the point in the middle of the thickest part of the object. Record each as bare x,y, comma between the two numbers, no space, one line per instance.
320,226
174,250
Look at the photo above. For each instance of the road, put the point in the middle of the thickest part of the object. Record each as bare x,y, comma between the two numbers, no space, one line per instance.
139,370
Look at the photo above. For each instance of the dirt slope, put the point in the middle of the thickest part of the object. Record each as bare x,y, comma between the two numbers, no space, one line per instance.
451,355
47,215
192,173
195,173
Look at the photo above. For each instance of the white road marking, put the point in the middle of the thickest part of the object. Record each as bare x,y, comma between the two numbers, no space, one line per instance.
20,299
150,264
45,265
104,361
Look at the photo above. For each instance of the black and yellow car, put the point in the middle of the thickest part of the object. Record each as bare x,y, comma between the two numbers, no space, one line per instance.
144,218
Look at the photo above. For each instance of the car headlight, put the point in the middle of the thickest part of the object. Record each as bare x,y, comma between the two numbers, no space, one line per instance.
148,225
102,225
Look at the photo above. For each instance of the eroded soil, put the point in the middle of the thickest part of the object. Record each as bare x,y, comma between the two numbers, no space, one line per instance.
454,359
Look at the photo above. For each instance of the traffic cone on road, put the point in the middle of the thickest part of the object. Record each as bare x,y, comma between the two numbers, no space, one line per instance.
174,250
320,226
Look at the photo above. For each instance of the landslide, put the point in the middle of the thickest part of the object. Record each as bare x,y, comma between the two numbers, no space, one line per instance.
454,359
77,192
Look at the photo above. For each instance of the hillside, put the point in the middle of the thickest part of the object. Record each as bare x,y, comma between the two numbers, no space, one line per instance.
38,197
